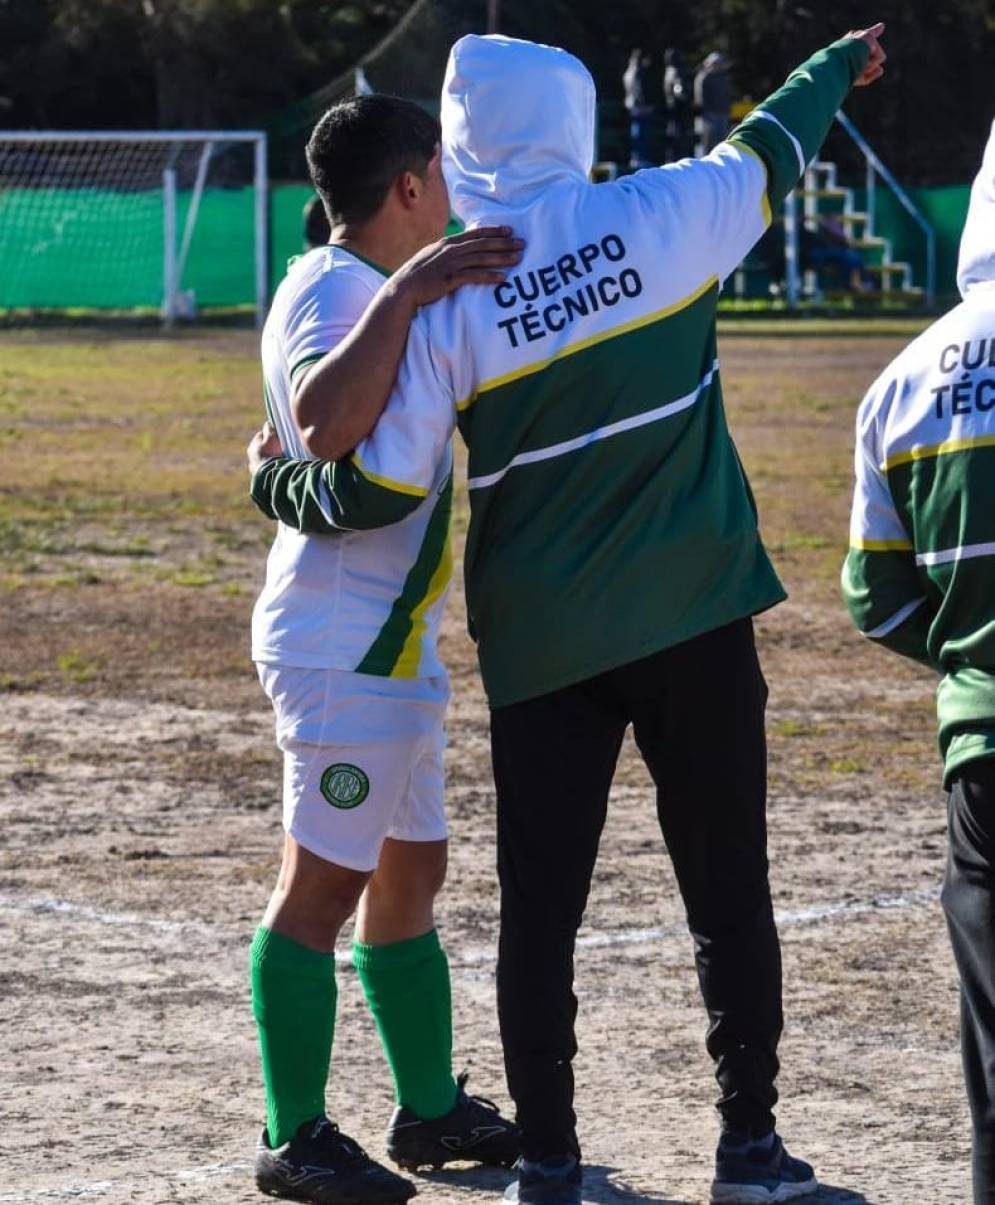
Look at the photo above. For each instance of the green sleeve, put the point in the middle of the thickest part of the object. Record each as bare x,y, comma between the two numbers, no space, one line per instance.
787,129
328,496
887,600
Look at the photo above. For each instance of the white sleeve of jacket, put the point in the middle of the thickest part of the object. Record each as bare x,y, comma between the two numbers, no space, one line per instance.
404,450
882,588
712,209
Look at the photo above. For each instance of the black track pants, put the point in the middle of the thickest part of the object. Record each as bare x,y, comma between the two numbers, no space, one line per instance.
969,902
698,716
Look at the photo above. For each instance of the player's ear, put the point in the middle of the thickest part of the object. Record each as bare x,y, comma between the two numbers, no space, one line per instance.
410,188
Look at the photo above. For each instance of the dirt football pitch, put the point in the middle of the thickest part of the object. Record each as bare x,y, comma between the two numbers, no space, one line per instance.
140,812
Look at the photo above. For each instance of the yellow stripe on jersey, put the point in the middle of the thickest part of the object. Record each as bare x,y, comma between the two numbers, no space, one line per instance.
765,210
388,483
408,661
943,449
862,545
592,341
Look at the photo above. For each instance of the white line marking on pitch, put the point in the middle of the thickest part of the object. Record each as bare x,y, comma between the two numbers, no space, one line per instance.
67,908
786,919
186,928
98,1188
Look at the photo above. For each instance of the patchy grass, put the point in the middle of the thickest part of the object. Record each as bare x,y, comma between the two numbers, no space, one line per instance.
859,326
77,666
12,682
793,728
795,540
123,504
847,765
126,529
115,448
141,776
192,577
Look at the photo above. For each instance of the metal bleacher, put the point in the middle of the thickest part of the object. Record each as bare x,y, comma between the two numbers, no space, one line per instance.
822,196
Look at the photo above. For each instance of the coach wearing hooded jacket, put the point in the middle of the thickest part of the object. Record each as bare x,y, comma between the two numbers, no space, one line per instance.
613,560
920,580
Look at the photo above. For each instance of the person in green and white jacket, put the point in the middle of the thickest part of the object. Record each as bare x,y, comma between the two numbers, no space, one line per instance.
919,579
613,559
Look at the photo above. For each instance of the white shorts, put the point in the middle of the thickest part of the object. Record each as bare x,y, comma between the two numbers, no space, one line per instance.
363,759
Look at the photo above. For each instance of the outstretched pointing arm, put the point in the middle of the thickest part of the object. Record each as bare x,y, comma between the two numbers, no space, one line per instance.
787,129
723,203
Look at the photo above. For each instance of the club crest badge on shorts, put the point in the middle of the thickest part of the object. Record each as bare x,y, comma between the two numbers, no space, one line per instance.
344,786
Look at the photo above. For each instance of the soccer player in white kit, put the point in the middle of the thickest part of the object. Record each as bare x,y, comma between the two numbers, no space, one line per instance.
344,637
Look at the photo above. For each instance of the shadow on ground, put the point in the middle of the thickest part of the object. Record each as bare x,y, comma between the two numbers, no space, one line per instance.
600,1188
828,1195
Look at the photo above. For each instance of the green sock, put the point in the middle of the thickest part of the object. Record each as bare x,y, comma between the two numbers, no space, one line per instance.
408,991
293,1001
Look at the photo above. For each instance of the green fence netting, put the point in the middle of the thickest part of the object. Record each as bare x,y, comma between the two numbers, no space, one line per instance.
98,249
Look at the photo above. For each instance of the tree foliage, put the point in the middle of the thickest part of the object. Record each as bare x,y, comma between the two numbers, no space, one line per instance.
202,63
175,63
929,118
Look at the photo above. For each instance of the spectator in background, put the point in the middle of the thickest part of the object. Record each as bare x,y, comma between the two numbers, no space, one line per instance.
713,100
827,246
317,231
824,248
678,100
638,90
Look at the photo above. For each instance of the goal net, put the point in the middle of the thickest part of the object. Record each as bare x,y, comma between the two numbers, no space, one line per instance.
161,223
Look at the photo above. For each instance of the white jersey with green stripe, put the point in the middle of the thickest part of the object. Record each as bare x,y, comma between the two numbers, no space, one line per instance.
364,590
920,574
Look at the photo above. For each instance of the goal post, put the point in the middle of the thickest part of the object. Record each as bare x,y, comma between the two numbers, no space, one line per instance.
169,222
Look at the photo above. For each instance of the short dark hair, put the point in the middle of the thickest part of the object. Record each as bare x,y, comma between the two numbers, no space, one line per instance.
360,147
316,231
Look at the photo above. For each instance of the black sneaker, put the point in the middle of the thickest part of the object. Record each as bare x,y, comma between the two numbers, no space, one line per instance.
758,1172
472,1131
321,1164
555,1181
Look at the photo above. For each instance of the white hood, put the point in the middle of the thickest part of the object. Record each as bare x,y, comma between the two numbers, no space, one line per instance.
976,266
516,117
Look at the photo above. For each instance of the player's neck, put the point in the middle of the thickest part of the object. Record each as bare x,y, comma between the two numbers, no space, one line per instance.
387,244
